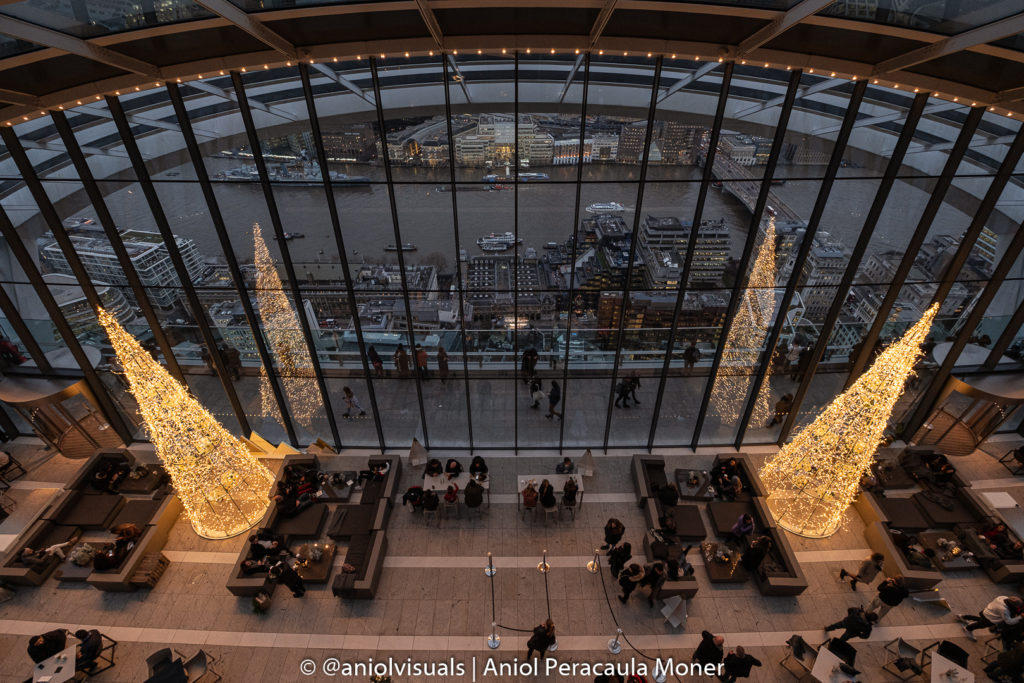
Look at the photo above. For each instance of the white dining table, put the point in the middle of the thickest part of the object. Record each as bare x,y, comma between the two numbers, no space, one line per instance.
946,670
441,482
826,668
58,668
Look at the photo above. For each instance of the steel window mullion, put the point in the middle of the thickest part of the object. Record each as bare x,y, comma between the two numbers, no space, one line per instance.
185,123
931,209
803,252
458,244
52,220
289,267
870,223
970,237
648,136
35,278
25,336
515,260
92,190
575,242
398,242
339,240
691,244
748,248
163,226
927,400
1006,338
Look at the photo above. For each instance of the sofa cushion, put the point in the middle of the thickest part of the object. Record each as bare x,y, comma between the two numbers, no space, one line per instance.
351,520
938,514
358,554
156,477
138,512
89,511
725,513
306,524
689,524
903,513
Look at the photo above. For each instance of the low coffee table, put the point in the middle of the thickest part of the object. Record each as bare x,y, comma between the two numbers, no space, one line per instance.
723,572
315,571
943,560
702,491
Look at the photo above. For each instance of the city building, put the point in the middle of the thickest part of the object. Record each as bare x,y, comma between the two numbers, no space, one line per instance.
75,307
146,251
665,239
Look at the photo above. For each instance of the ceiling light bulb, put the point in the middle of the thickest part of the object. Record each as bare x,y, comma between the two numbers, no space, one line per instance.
896,86
577,50
79,101
25,118
503,51
853,78
935,94
917,90
766,65
527,50
875,81
625,54
743,61
117,92
600,52
974,104
810,70
720,59
455,52
407,55
311,61
266,66
383,56
648,55
956,99
222,73
335,60
480,52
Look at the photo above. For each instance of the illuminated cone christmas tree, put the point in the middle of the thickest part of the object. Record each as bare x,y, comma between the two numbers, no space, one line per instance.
281,326
814,478
222,486
742,352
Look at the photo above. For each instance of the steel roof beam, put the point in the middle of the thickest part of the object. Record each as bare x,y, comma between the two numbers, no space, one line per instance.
430,19
459,77
254,27
793,16
953,44
602,20
16,28
942,146
210,88
897,116
568,81
16,97
820,86
341,80
686,80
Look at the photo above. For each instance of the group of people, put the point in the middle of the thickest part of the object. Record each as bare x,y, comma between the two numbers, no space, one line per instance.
403,363
725,479
631,575
269,554
1003,616
890,592
472,495
626,389
999,541
46,645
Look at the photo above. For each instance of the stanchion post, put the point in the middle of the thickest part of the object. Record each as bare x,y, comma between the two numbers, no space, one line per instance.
489,570
494,640
614,646
594,566
543,566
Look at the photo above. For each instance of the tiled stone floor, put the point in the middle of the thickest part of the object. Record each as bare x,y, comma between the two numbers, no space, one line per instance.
434,600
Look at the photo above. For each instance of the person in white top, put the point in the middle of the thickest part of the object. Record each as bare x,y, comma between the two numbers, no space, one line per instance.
1006,610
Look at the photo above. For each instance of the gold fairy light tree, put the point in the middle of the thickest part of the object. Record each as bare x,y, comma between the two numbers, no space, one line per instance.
814,478
281,326
222,486
742,351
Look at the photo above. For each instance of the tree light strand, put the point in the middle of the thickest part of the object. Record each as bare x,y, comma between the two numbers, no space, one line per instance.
281,327
741,355
222,486
813,479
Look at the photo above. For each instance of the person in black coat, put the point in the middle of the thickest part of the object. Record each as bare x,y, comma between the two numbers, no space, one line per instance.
856,624
891,593
89,648
668,495
283,573
473,494
738,664
618,557
546,495
753,556
46,645
434,468
477,465
710,649
613,532
543,637
629,579
453,468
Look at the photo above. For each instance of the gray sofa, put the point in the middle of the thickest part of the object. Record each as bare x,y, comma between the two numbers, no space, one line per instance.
41,534
877,531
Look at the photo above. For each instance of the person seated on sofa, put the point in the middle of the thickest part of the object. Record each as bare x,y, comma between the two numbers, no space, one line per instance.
477,466
108,476
37,559
730,488
724,471
668,495
266,544
743,529
452,468
754,555
260,566
376,472
920,558
291,505
994,534
111,555
1011,550
434,468
46,645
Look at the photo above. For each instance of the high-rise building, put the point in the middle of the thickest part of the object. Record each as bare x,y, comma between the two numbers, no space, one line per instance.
665,239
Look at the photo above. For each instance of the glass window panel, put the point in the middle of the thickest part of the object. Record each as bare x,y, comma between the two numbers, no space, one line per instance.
91,19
